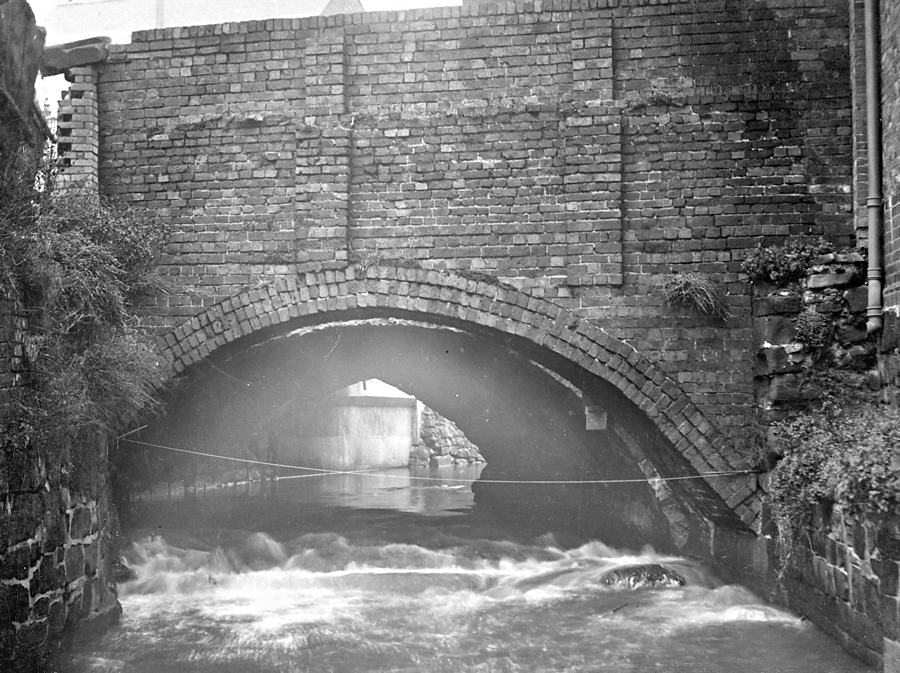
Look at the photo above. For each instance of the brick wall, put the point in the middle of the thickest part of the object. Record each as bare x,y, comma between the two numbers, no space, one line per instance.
76,131
890,114
581,151
860,141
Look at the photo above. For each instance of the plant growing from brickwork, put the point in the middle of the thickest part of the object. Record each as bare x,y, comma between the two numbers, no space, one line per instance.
844,451
783,264
75,263
696,292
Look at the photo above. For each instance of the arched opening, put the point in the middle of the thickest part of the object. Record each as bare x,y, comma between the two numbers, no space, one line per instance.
566,451
569,452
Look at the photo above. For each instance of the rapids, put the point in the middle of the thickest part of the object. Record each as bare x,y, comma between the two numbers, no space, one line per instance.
232,584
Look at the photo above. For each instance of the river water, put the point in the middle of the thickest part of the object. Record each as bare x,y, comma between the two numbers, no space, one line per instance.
359,573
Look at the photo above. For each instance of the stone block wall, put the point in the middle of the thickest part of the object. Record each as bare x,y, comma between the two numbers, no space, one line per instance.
826,309
54,550
845,580
581,151
843,572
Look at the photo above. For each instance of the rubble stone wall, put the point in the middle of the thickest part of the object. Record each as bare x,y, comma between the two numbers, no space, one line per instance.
443,443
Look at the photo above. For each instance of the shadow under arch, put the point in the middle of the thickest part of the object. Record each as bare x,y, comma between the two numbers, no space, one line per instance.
541,330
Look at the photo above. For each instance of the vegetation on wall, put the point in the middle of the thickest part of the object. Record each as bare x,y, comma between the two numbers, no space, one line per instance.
74,264
813,329
696,292
839,444
842,451
783,264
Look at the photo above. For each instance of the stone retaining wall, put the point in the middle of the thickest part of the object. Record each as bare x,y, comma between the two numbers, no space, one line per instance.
829,304
54,551
843,573
845,581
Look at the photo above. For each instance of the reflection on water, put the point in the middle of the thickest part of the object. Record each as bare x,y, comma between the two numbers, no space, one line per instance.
422,490
383,574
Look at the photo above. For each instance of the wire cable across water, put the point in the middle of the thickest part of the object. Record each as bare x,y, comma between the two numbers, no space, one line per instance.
319,472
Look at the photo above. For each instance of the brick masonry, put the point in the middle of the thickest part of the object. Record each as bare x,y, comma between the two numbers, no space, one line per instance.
860,141
889,350
506,310
578,151
890,91
76,133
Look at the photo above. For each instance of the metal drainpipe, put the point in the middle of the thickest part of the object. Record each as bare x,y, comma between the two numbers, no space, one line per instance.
874,200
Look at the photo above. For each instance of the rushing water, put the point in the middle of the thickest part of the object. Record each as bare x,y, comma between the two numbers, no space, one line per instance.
349,574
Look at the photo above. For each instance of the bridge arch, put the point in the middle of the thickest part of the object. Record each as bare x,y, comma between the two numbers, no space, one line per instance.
468,302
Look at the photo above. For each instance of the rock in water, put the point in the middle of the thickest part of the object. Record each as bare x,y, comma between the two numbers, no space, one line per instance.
122,572
643,576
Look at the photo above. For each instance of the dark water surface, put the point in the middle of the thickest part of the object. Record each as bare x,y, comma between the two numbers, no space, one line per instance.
356,573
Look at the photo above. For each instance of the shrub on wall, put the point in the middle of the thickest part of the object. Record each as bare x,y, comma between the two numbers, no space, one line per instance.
75,263
843,451
783,264
696,292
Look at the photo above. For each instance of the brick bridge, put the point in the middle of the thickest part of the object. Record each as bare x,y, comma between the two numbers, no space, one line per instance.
532,171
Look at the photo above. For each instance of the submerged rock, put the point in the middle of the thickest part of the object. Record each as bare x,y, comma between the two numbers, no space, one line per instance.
121,572
643,576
